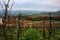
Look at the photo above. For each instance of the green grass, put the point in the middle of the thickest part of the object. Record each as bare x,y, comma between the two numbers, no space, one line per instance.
12,32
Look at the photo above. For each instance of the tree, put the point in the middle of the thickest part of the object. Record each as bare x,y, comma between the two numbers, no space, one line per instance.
44,33
5,7
19,27
50,27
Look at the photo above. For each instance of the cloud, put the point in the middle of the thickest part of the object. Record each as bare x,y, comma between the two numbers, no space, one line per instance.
37,5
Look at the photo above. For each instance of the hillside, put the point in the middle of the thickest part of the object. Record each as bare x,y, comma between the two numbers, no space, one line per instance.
34,13
47,14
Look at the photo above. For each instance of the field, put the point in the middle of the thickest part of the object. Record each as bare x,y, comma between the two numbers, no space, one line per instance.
12,32
30,28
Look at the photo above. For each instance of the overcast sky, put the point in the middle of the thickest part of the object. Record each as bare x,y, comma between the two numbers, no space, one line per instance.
39,5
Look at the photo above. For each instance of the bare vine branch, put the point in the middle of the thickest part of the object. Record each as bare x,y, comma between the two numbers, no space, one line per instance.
11,6
1,6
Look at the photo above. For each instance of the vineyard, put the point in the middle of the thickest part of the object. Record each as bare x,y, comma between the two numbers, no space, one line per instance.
33,24
31,30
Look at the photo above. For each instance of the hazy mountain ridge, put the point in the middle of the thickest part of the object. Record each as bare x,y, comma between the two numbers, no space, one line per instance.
47,13
31,13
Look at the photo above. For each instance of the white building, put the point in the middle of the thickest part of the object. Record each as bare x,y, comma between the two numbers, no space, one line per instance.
1,21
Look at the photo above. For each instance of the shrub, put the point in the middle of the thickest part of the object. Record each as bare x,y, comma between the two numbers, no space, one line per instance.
31,34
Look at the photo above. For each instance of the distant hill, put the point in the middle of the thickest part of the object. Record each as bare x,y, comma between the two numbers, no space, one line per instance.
21,12
47,13
31,13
